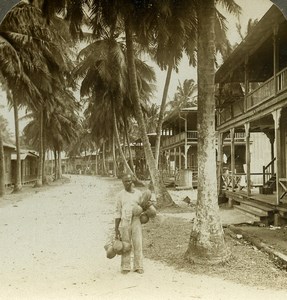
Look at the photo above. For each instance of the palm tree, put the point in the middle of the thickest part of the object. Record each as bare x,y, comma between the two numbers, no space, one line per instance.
36,52
113,14
207,244
185,96
175,34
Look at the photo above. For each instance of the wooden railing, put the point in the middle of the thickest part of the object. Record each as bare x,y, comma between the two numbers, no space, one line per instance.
237,136
268,171
265,91
180,138
281,79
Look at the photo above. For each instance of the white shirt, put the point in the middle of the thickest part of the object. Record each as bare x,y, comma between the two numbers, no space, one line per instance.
125,201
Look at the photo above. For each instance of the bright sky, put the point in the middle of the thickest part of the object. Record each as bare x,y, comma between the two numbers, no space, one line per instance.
251,9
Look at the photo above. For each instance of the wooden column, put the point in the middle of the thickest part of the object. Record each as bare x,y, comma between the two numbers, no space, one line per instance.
174,155
247,157
276,116
219,162
275,57
246,82
232,153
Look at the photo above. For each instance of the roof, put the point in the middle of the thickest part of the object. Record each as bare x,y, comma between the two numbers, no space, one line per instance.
175,113
260,33
9,145
24,154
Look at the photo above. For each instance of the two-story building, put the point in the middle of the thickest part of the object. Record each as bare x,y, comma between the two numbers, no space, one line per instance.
252,99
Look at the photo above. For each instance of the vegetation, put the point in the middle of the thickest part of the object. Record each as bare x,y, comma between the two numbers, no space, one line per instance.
117,85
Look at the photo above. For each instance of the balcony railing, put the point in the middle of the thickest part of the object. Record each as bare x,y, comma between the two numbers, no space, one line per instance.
263,92
268,89
190,136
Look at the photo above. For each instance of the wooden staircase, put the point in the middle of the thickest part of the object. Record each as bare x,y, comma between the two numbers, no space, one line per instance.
269,178
263,211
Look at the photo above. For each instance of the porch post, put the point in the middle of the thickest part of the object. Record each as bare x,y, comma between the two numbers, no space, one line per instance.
246,83
275,58
175,162
247,157
219,162
232,153
276,116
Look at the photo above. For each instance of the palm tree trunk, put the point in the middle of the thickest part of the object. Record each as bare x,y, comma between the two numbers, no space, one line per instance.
59,164
2,167
56,164
114,158
39,181
129,145
104,158
17,185
206,243
161,113
162,195
119,144
44,177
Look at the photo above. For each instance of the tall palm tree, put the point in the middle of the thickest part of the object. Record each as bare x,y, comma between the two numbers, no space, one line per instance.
114,14
175,34
185,96
38,52
207,244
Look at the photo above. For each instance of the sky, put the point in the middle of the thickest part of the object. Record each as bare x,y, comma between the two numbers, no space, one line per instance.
251,9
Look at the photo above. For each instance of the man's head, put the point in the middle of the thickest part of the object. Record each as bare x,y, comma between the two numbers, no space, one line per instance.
127,180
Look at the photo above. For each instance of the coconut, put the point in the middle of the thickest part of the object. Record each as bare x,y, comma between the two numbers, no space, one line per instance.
126,247
118,246
137,210
151,212
145,199
144,218
110,252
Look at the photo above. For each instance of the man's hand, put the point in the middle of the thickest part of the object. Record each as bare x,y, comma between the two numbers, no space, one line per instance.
118,234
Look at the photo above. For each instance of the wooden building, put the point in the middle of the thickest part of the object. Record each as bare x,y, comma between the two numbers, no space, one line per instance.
8,150
252,99
29,166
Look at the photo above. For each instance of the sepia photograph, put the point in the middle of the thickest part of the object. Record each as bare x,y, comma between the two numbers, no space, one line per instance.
143,149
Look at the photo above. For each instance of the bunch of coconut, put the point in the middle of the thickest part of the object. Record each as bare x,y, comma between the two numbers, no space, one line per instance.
118,247
148,209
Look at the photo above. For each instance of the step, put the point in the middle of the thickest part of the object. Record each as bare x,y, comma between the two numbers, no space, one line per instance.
255,209
262,206
249,211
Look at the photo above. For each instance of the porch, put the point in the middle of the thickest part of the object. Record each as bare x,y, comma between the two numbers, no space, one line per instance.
262,206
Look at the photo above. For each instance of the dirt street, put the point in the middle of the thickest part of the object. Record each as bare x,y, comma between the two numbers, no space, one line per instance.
51,247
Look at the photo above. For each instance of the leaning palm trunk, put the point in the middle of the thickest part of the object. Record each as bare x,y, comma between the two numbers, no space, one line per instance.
44,177
119,145
162,195
59,164
104,159
39,181
114,158
207,244
2,167
17,184
56,165
129,145
161,113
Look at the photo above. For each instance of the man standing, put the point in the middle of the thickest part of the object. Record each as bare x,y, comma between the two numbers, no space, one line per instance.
128,227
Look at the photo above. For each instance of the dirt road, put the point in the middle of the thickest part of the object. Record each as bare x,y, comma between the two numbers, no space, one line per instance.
51,247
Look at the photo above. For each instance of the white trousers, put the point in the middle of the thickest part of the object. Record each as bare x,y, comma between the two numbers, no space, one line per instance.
132,233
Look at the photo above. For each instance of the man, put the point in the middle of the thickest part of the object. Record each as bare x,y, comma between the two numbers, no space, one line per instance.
128,227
